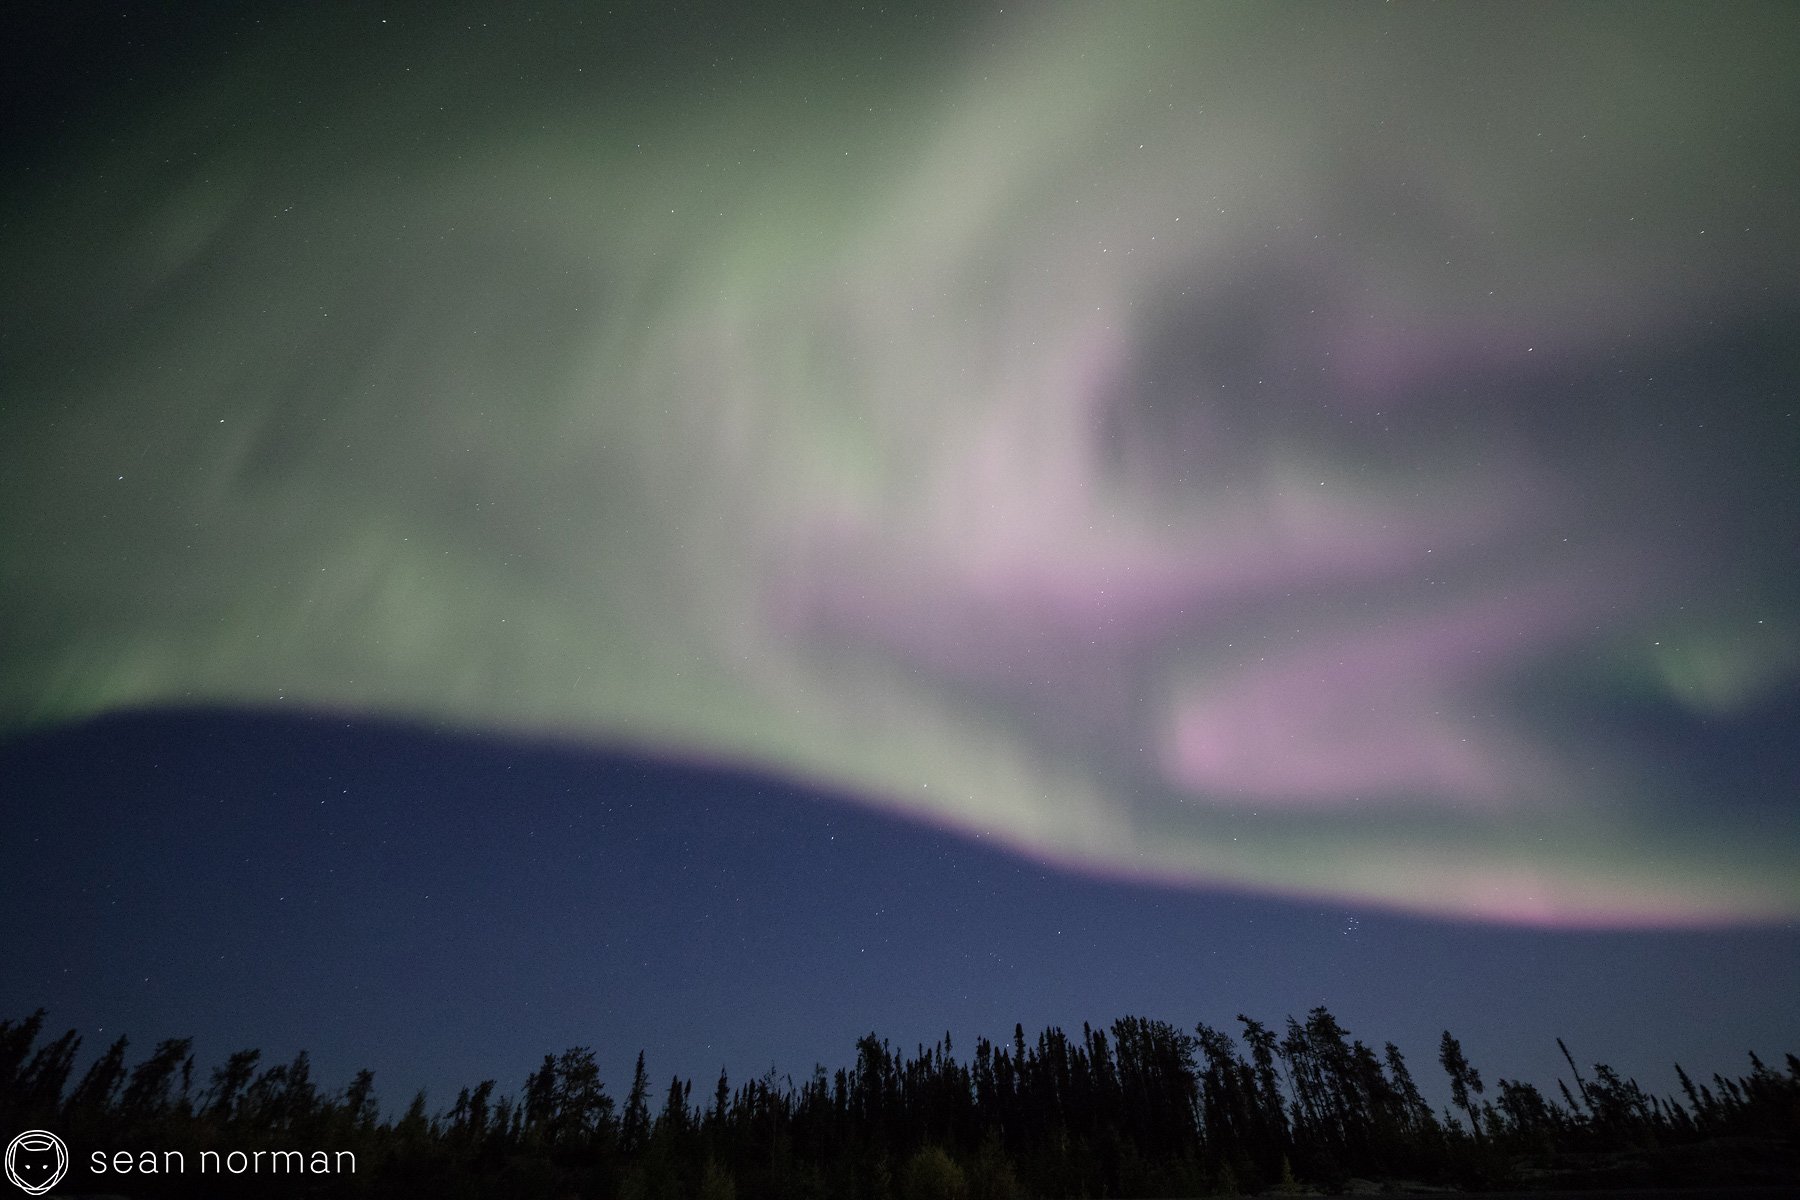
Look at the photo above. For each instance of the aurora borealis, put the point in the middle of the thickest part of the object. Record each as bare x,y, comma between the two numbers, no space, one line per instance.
678,528
1340,452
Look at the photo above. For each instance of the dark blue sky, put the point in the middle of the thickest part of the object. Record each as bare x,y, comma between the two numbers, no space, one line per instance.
446,909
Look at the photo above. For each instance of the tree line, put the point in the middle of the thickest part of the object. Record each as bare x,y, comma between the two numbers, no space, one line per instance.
1144,1108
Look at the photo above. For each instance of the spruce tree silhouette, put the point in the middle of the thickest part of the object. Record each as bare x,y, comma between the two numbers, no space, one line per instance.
1464,1079
634,1133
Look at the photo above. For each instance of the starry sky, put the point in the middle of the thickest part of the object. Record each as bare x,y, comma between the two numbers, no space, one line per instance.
710,530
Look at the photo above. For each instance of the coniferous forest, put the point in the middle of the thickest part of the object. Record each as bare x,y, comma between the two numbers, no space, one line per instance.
1143,1108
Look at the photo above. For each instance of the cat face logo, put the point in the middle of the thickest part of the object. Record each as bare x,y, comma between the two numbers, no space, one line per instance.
36,1161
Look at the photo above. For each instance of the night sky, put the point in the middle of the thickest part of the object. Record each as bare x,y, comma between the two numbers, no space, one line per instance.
682,528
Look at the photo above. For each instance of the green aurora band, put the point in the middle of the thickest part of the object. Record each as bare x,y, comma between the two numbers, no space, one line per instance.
1255,446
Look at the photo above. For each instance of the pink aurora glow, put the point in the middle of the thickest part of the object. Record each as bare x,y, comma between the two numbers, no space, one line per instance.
1358,715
